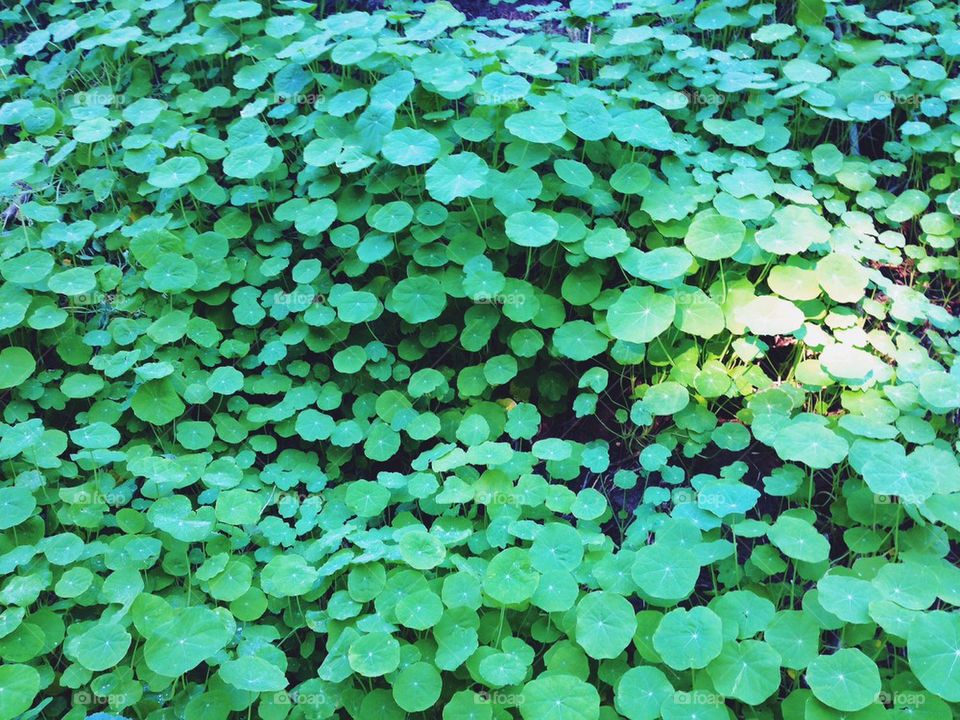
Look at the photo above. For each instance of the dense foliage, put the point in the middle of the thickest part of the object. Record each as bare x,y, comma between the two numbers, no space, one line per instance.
591,365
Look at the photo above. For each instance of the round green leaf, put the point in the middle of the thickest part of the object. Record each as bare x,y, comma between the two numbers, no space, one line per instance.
811,444
75,281
579,340
16,505
536,126
531,229
559,697
510,577
421,550
847,680
102,646
374,654
157,402
769,315
417,687
795,635
689,638
409,146
605,624
254,674
640,314
184,641
712,236
933,649
748,671
665,572
392,217
799,540
247,161
641,691
418,299
556,546
16,365
287,576
19,685
176,172
456,176
171,273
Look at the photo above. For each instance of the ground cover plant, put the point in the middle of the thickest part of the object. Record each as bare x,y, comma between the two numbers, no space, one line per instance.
588,362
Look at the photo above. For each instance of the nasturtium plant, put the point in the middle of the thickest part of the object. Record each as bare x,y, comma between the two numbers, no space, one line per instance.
846,680
578,360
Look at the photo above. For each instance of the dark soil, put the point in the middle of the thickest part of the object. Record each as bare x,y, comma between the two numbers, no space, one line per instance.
503,10
475,8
